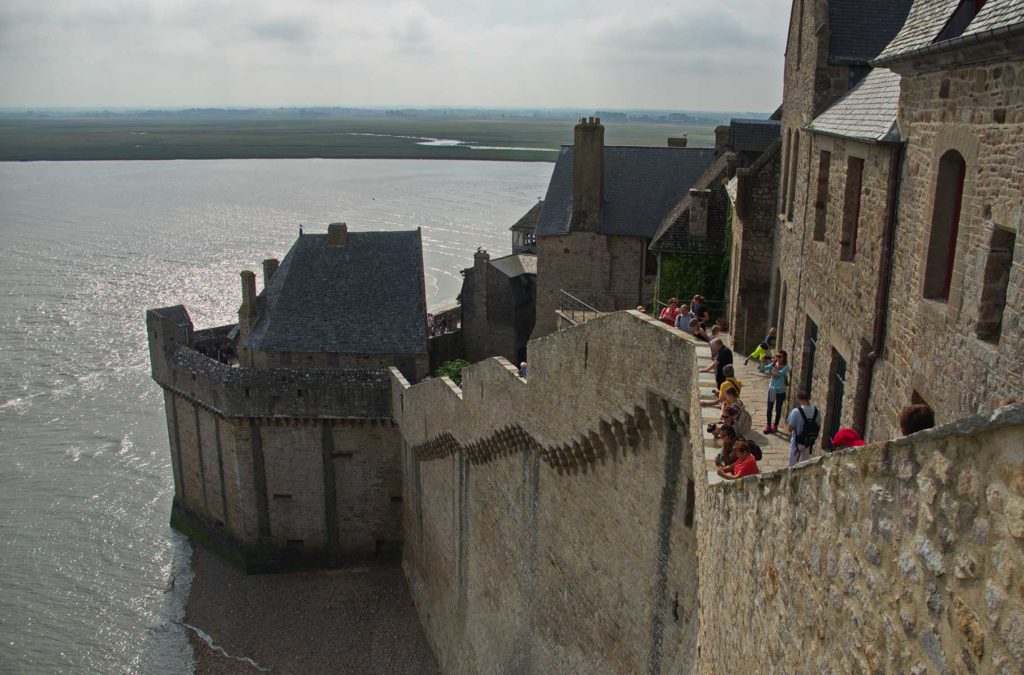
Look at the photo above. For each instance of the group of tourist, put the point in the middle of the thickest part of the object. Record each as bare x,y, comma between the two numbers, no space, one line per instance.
441,325
691,318
740,452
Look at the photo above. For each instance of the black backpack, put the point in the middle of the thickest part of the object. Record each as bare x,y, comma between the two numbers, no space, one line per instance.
755,449
809,433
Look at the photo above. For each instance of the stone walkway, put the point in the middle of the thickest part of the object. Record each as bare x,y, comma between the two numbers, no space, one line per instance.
755,397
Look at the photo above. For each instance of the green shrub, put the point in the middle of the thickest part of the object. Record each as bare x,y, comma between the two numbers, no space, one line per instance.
452,369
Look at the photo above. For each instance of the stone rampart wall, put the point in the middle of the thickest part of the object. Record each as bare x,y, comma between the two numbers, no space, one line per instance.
904,556
547,525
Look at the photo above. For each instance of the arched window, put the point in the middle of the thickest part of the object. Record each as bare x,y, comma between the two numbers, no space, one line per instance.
949,194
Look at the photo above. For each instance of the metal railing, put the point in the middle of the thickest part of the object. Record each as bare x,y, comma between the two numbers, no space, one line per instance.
578,305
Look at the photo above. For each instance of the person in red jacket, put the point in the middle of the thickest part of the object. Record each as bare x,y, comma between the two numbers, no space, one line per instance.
745,464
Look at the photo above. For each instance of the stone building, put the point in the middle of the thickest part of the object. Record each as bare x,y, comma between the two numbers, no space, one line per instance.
499,298
289,455
692,242
602,208
899,210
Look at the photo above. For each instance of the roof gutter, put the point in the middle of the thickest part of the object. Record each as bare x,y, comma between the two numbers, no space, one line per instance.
970,39
859,139
866,365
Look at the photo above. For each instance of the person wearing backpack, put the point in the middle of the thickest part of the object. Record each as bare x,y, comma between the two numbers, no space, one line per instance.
805,422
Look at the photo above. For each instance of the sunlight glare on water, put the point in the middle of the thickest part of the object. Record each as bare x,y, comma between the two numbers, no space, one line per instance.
93,578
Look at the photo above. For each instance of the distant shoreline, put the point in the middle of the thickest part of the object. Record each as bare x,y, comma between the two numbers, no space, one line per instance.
126,138
332,157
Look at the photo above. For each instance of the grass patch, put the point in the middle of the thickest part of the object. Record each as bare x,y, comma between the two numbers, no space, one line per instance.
121,137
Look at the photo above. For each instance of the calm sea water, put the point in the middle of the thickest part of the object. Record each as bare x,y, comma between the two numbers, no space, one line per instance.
91,576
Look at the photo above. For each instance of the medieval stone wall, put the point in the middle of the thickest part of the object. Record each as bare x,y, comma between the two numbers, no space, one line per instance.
278,467
934,349
585,261
547,522
905,556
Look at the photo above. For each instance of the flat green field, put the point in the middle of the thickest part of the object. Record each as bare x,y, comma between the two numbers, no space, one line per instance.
120,137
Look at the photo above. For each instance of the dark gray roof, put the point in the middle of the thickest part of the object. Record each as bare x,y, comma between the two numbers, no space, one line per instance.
362,298
641,185
860,29
997,14
924,23
748,135
178,314
516,264
867,112
673,234
529,221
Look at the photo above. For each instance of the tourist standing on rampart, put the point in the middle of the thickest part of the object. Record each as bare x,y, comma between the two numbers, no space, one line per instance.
683,318
669,314
805,422
722,357
776,388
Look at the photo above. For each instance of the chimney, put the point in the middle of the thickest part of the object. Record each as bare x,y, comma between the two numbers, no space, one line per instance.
678,141
721,138
270,266
699,200
337,234
247,312
587,175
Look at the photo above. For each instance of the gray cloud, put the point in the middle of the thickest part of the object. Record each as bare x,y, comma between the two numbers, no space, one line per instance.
534,53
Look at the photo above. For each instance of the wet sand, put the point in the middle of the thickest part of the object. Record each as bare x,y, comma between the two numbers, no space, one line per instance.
357,620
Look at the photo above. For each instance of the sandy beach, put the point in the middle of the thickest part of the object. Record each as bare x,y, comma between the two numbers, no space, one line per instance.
356,620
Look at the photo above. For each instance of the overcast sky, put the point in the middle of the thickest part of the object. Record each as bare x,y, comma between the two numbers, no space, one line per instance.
690,54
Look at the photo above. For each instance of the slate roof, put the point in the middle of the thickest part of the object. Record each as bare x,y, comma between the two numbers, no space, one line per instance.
516,265
641,185
178,314
749,135
867,112
928,18
860,29
674,233
529,220
362,298
997,14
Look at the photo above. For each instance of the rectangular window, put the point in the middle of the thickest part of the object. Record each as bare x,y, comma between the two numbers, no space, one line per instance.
821,200
851,207
995,284
810,349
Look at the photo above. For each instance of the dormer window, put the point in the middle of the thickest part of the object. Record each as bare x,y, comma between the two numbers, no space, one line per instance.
962,17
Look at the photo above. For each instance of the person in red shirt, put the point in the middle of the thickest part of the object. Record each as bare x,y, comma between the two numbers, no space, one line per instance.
669,314
745,464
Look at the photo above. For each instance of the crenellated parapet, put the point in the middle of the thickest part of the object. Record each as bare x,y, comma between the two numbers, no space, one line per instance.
574,487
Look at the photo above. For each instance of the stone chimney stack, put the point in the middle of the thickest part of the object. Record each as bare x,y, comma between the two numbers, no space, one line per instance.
587,175
247,312
721,138
270,266
337,234
678,141
699,201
